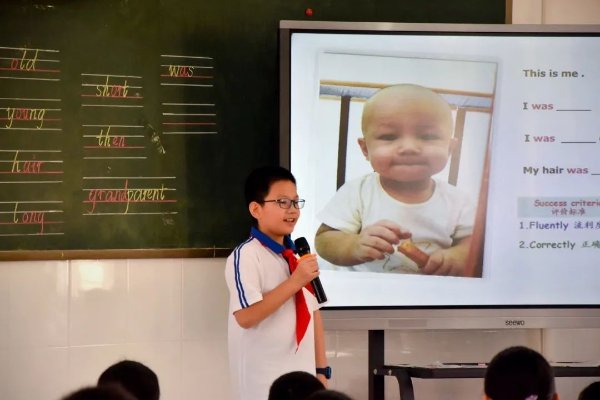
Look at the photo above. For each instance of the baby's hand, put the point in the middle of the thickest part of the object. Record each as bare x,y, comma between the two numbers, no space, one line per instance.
307,269
445,262
377,240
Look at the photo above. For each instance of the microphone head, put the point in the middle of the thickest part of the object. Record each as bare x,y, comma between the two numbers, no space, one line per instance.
302,246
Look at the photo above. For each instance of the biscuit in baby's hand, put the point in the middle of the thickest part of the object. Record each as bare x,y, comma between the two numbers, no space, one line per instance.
411,251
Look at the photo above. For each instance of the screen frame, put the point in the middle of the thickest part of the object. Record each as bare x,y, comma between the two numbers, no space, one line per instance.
429,317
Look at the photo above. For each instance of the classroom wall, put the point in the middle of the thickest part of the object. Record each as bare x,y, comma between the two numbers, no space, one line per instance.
555,12
63,322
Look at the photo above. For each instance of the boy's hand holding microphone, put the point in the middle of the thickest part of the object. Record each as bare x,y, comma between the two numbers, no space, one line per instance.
309,262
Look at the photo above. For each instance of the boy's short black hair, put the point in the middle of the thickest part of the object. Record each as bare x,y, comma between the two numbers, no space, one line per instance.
259,181
518,373
328,394
108,392
591,392
135,377
295,385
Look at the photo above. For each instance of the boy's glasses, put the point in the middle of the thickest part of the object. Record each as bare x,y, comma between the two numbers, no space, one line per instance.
287,203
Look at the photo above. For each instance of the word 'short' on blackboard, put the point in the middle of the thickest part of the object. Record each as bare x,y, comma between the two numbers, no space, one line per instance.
128,127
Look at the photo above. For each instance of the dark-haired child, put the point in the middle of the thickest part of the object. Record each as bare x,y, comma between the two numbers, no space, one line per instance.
274,323
591,392
519,373
295,385
134,376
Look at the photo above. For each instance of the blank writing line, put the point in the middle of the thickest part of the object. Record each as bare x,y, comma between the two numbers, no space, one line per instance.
574,109
190,115
185,84
114,158
136,213
31,129
33,182
114,126
114,76
579,142
181,56
31,234
31,79
25,99
129,177
109,105
27,49
189,104
189,123
31,201
189,133
31,151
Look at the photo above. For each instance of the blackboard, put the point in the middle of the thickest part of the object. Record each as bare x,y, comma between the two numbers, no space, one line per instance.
127,127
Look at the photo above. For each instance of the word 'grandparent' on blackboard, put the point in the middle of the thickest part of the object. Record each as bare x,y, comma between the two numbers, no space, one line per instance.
127,195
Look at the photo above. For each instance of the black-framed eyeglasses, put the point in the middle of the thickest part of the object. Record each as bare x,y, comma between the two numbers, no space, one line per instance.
287,203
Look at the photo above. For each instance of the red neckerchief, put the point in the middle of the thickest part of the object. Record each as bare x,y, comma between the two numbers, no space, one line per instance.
302,313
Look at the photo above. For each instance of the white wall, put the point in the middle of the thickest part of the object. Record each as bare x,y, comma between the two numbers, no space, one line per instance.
62,323
556,12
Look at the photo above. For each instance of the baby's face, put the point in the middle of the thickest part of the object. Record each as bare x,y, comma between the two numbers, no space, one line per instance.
407,138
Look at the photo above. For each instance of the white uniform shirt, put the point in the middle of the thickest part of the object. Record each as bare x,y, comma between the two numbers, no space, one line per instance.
447,216
259,355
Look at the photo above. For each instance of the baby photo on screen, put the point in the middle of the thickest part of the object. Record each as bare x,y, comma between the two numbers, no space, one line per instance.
401,144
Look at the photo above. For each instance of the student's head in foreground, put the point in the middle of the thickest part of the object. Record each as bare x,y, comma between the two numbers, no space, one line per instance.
519,373
296,385
590,392
133,376
407,133
328,394
273,201
107,392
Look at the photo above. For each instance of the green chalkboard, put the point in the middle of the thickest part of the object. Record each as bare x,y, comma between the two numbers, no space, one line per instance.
127,127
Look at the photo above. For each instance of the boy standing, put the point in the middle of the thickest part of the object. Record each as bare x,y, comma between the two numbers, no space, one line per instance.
274,323
407,138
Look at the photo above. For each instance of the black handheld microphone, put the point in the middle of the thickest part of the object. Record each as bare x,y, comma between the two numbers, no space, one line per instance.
302,248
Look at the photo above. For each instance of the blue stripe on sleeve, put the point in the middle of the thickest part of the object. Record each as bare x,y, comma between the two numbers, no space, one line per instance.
238,279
